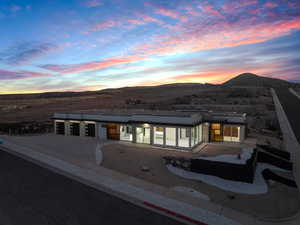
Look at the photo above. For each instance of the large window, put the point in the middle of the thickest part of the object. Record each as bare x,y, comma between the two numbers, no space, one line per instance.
231,133
170,136
184,137
143,135
199,133
90,130
125,133
193,136
158,135
60,128
75,129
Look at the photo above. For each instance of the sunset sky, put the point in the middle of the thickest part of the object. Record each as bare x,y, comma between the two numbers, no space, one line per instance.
77,45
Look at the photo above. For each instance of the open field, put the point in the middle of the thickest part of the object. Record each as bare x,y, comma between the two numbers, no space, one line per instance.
256,102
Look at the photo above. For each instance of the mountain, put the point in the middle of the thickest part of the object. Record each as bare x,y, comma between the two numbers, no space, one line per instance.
253,80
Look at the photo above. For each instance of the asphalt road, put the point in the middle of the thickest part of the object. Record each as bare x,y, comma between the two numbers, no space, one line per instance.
32,195
291,106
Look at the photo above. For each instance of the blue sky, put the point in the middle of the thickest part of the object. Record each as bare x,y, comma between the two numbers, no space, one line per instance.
76,45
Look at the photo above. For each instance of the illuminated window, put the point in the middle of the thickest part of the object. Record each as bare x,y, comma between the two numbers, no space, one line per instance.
170,136
158,135
184,137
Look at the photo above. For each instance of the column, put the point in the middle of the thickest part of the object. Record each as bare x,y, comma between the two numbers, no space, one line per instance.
67,128
82,129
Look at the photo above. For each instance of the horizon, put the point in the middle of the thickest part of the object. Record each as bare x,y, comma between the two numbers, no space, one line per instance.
77,45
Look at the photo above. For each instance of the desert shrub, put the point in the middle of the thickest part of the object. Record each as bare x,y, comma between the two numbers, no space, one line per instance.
272,124
239,93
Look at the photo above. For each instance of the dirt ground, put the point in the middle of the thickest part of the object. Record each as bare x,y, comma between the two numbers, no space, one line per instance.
256,102
128,158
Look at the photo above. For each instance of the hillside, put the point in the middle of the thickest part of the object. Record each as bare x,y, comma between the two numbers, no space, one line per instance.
253,80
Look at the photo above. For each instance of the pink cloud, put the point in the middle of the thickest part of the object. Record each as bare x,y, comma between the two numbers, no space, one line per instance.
192,11
209,9
271,4
255,11
93,3
232,7
18,75
171,14
136,21
150,19
140,19
197,37
91,66
104,25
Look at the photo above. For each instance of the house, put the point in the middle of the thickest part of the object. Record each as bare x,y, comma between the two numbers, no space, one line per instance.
173,129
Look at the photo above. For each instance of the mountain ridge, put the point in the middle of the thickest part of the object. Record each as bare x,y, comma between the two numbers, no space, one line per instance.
244,79
251,79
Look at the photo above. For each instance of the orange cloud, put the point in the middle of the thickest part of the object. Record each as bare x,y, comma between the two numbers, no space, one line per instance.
201,77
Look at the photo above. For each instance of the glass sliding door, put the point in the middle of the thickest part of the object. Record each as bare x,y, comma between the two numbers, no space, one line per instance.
143,135
184,135
158,135
231,133
193,136
126,133
171,136
200,133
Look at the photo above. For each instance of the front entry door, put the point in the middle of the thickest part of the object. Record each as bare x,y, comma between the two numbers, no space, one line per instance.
113,131
216,133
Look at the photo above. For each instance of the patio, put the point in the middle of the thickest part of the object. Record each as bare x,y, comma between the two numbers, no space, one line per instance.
128,158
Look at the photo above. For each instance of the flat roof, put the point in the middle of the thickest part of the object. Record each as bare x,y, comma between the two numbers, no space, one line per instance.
152,116
118,112
134,116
